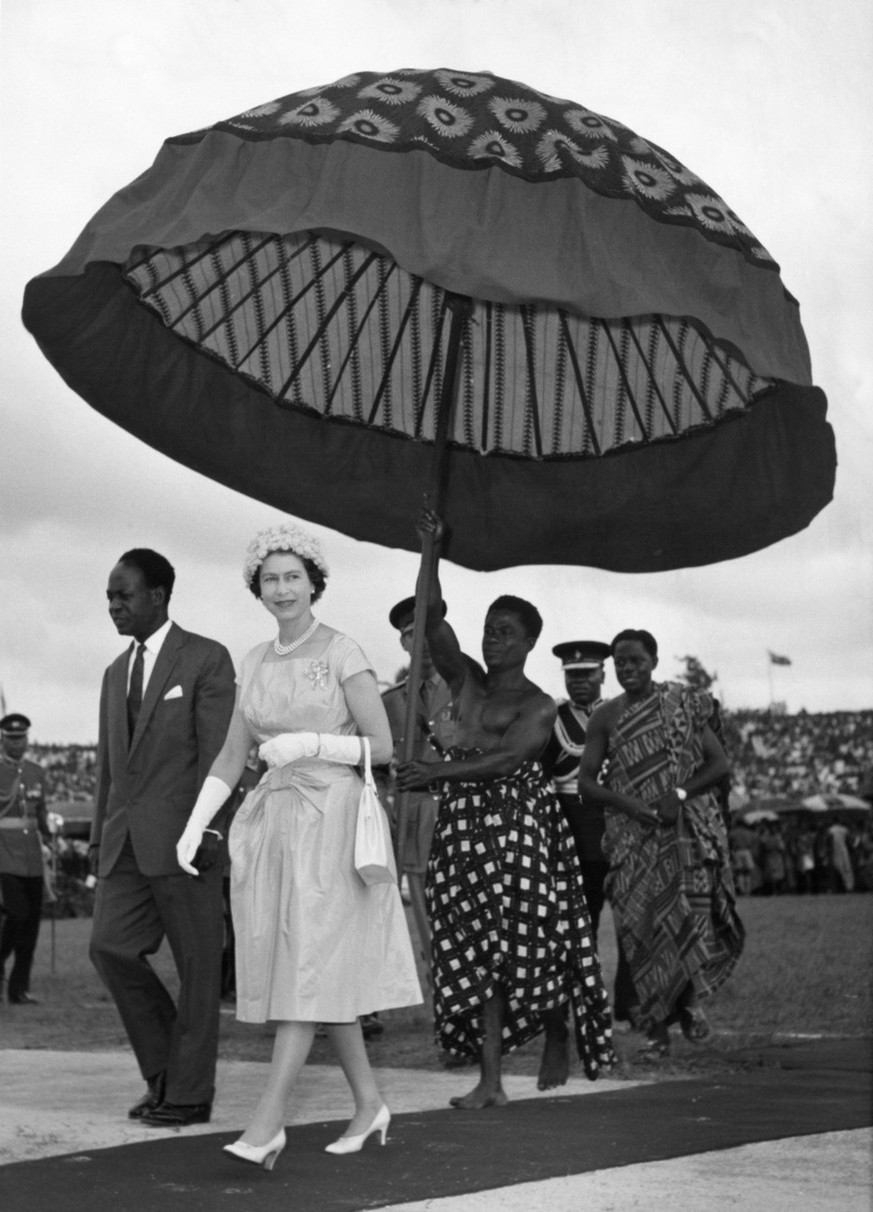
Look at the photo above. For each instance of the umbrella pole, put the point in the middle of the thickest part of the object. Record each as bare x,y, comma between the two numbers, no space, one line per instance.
53,886
460,308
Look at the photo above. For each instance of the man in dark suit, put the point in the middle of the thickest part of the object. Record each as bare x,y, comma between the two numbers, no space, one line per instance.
165,707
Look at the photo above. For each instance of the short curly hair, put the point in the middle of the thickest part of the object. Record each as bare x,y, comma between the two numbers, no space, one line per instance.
286,539
526,613
639,636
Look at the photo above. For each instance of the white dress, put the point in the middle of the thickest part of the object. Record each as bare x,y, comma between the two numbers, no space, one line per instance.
313,942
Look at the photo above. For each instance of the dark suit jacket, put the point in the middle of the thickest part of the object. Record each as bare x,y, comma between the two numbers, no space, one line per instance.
148,787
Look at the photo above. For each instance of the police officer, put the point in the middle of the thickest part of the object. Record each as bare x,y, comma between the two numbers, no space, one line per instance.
435,733
582,662
23,826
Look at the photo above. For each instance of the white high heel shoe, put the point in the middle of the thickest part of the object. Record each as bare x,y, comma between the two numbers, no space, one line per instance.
259,1155
354,1144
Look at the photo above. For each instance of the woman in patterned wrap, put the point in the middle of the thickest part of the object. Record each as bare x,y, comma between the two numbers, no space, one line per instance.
314,943
670,879
512,945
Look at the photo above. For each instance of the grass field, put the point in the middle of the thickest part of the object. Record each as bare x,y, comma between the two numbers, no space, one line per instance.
806,971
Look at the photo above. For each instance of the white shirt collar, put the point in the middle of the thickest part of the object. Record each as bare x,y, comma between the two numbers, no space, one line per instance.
155,641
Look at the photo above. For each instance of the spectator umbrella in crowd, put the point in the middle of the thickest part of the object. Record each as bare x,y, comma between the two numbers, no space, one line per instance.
833,801
450,280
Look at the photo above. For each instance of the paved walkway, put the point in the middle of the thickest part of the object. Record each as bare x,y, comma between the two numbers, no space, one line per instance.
71,1107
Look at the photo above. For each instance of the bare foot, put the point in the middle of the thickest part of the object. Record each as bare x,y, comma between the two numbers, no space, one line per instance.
555,1065
480,1096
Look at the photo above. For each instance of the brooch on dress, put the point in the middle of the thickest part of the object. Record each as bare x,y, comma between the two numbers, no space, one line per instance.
317,672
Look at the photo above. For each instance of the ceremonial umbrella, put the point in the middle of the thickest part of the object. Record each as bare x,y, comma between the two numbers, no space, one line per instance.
293,300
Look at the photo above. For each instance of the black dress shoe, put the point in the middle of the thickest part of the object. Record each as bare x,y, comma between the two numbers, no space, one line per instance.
152,1098
177,1115
22,999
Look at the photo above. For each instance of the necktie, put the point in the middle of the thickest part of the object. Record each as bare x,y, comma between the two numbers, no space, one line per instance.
134,694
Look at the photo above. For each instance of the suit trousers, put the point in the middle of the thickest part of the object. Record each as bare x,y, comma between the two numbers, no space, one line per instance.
20,918
133,913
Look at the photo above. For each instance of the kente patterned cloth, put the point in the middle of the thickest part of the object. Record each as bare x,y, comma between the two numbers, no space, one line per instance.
507,910
670,886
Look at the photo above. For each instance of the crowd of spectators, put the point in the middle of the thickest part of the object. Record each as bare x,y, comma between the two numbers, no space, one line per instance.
71,769
774,756
798,755
778,760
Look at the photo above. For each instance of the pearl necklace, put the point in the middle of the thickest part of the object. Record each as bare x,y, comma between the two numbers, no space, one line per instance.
284,649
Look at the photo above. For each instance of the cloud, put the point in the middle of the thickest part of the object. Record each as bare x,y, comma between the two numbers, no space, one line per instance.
771,105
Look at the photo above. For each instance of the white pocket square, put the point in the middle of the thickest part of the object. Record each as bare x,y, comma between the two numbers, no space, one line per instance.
175,693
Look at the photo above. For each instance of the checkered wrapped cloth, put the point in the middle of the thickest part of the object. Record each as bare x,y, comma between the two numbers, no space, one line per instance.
507,910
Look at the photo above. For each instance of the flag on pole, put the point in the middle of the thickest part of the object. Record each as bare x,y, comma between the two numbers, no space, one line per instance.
776,659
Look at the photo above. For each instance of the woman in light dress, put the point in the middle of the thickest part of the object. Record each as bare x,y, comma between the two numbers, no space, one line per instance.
314,944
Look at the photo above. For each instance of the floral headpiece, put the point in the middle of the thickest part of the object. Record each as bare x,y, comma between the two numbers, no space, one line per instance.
283,537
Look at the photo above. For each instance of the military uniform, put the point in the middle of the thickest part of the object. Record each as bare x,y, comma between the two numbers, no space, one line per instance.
560,761
436,732
23,825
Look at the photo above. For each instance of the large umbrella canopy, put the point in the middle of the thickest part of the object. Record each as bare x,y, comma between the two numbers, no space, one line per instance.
271,303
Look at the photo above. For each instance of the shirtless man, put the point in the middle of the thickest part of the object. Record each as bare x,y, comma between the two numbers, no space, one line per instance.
505,964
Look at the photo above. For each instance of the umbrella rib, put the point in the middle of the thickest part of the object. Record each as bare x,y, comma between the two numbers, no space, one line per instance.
527,313
329,314
486,383
704,407
577,373
652,379
725,368
281,265
432,367
346,294
353,343
625,380
395,348
132,267
215,284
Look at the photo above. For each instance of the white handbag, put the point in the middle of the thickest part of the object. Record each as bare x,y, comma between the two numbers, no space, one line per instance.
374,855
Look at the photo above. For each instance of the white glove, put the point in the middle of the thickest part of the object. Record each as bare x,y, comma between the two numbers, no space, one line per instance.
212,795
289,746
348,750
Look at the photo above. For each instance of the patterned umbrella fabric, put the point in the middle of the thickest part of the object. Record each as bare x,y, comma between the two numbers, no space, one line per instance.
271,304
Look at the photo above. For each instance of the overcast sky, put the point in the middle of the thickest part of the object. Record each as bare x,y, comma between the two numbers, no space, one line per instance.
767,101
